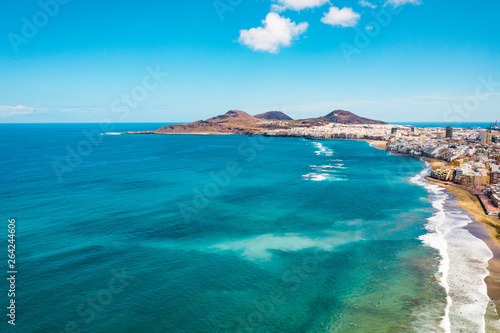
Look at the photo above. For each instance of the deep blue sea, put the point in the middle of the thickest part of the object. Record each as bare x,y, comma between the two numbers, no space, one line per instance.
150,233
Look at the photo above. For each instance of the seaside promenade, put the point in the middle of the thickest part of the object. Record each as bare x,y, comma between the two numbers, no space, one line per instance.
479,192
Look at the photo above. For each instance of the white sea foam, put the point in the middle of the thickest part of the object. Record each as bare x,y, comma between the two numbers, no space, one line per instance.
339,166
317,177
324,169
112,133
321,166
325,172
322,150
464,259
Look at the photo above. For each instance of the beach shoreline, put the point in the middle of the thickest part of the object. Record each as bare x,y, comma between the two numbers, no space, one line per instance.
487,228
382,145
484,227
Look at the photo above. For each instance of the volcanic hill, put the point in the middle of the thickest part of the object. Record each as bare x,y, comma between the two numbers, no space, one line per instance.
240,122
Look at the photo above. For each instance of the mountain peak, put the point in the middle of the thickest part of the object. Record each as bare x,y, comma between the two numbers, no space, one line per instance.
347,117
235,118
235,113
340,113
273,115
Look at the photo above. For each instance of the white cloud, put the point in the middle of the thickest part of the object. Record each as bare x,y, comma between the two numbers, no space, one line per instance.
397,3
18,110
297,4
367,4
276,32
344,17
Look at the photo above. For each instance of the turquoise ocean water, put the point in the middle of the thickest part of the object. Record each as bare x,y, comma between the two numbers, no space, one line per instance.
130,233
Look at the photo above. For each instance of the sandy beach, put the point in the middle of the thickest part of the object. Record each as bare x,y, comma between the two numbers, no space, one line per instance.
488,230
435,163
378,144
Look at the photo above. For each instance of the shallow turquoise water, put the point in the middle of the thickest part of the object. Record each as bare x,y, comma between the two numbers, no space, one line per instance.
215,234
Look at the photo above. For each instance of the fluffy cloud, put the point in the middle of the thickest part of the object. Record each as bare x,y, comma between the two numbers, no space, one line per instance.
282,5
19,110
344,17
367,4
397,3
276,32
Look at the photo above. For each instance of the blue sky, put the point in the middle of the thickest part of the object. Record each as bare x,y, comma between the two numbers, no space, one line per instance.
425,61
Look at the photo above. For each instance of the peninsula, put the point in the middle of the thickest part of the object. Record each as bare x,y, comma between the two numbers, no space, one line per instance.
240,122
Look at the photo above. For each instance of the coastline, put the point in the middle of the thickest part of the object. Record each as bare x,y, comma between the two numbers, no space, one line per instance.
487,228
382,145
435,163
484,227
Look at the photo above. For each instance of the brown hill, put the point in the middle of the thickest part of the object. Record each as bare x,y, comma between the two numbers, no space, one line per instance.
273,115
235,118
232,122
347,117
197,127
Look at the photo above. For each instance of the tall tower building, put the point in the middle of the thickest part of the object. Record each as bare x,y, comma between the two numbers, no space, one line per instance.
485,138
449,132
